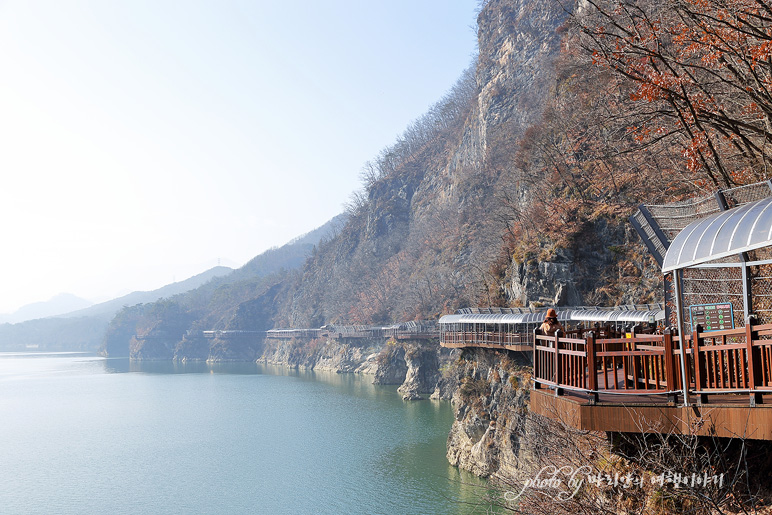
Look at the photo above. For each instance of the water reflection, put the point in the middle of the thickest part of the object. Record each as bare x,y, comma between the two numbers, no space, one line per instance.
294,441
116,365
28,365
124,365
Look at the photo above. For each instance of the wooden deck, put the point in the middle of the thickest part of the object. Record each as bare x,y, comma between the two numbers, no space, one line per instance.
521,347
729,417
636,384
487,340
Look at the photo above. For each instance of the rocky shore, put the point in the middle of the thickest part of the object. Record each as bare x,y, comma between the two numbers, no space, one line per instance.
415,365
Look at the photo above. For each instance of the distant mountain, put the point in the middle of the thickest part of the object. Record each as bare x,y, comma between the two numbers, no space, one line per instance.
58,305
111,307
294,253
215,304
85,329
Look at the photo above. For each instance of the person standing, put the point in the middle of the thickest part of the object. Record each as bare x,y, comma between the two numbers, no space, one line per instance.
550,326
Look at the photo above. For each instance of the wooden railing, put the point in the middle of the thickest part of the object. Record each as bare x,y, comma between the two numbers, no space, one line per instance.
643,364
468,338
735,360
717,362
415,335
474,338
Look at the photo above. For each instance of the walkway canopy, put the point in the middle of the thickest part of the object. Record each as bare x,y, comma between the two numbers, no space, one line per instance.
564,315
499,318
608,315
724,234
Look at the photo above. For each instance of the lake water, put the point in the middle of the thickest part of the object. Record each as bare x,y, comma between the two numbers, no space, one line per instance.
81,434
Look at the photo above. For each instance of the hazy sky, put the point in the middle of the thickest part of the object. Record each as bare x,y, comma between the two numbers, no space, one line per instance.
141,141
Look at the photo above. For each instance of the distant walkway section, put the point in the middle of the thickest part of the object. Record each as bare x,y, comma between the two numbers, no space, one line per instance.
512,328
414,330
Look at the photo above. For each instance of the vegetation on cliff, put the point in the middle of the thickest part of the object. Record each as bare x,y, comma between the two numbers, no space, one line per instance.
242,300
540,153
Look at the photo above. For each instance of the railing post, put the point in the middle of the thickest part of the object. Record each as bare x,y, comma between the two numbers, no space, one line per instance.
558,375
636,361
592,374
670,375
699,378
536,364
753,363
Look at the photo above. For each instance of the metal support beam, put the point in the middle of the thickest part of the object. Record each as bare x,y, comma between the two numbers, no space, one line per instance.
647,239
681,334
649,245
721,199
654,225
668,299
747,297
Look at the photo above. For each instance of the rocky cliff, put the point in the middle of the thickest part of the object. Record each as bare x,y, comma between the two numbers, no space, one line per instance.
435,225
414,365
491,404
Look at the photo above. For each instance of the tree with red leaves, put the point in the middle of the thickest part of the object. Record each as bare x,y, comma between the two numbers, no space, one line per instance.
704,68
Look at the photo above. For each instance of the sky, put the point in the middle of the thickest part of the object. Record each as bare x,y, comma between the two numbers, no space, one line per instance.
143,142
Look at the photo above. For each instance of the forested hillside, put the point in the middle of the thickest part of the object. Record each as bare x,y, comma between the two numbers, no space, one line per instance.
83,330
515,188
220,303
428,223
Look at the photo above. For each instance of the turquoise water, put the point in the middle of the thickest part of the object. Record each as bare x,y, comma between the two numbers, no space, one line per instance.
84,435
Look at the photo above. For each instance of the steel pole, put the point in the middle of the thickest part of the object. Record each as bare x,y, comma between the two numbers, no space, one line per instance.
681,333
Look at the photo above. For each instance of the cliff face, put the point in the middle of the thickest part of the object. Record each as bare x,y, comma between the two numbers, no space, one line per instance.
322,354
491,402
423,369
414,365
425,229
607,262
432,228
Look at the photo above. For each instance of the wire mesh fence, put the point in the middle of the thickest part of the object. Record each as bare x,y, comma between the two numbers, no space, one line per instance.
761,293
674,217
736,197
715,285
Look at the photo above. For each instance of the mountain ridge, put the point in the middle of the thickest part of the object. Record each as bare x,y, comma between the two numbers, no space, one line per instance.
141,297
86,329
59,304
514,189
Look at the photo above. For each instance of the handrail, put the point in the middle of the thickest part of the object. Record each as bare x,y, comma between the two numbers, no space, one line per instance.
721,362
717,362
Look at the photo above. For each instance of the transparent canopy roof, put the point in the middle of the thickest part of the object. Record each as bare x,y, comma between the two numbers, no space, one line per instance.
723,234
575,315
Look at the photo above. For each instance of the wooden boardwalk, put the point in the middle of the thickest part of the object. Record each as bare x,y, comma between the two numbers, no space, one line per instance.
520,347
726,416
636,384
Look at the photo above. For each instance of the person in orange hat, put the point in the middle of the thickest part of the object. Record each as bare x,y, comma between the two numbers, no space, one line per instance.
551,324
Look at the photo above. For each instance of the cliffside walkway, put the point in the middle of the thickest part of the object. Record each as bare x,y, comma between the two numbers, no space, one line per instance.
713,380
422,330
512,328
636,384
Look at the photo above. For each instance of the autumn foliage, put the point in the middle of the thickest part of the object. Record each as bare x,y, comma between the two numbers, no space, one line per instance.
703,68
